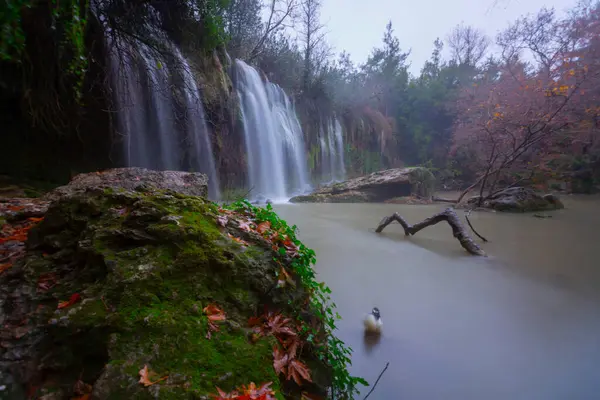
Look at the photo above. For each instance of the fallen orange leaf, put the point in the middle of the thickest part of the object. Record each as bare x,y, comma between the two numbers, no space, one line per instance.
145,377
75,297
34,219
284,278
263,227
214,313
4,267
240,241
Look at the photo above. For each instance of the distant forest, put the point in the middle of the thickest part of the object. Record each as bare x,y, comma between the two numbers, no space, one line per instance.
527,113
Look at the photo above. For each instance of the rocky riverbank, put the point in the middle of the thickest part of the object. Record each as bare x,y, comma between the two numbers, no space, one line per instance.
132,286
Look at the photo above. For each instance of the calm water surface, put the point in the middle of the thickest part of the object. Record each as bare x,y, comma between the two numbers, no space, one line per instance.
522,324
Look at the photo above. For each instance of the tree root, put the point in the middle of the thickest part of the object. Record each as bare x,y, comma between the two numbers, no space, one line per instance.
448,215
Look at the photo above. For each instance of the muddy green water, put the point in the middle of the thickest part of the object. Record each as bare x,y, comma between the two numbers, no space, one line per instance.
522,324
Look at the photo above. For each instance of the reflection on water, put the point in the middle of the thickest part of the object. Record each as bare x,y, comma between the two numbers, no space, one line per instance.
522,324
370,341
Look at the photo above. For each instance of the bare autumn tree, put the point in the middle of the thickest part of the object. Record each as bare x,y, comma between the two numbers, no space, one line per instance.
280,14
312,38
248,31
516,123
468,45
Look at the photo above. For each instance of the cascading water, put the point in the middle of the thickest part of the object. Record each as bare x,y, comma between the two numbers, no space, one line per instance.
202,155
339,141
142,81
331,142
275,149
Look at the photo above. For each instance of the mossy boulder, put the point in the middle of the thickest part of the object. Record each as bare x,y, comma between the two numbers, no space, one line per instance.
519,199
376,187
190,183
139,266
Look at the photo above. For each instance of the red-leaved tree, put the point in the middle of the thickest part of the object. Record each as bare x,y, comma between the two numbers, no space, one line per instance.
513,122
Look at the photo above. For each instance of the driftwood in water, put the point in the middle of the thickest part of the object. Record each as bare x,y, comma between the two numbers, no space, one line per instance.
448,215
443,200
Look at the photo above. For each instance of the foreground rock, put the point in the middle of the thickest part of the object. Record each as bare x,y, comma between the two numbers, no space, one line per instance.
190,183
376,187
519,199
122,281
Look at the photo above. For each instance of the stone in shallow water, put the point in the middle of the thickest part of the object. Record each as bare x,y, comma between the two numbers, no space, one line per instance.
520,199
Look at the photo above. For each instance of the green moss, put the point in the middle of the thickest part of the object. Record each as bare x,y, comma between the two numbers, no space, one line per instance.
423,182
145,265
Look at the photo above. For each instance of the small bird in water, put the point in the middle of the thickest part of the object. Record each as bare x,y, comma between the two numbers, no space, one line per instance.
373,322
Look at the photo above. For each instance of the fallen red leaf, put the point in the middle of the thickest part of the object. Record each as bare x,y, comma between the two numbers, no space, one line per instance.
35,219
292,347
46,281
262,392
280,360
277,325
15,208
75,297
226,396
298,371
214,314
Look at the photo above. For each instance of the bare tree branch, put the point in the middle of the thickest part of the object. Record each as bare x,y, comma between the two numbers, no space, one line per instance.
448,215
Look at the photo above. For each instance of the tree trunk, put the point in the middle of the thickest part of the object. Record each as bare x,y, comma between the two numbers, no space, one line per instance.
443,200
448,215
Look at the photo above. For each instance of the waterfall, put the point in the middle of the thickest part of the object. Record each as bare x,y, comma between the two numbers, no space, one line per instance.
331,142
144,82
202,155
275,150
339,141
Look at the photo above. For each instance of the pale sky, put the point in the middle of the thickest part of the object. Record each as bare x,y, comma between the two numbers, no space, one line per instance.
358,25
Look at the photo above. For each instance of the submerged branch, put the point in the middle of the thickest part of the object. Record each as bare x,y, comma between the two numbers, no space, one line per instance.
448,215
377,381
472,228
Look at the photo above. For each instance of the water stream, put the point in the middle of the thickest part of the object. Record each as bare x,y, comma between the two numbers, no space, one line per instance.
147,110
331,143
522,324
275,151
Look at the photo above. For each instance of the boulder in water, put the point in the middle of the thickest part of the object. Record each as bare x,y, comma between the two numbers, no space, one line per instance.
376,187
520,199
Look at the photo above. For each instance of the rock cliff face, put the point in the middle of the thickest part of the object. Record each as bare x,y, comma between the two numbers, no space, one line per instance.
376,187
129,270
